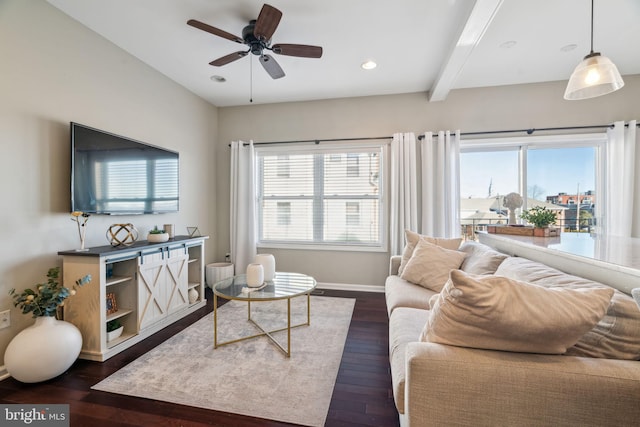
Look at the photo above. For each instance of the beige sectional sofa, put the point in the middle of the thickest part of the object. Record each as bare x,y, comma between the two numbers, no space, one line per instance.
437,384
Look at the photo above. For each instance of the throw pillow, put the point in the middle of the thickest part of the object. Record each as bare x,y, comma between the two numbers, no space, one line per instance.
412,239
480,259
497,313
430,264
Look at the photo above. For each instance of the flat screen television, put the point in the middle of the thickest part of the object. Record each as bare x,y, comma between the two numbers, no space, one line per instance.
115,175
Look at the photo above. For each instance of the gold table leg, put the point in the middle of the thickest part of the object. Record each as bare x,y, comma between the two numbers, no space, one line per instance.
263,332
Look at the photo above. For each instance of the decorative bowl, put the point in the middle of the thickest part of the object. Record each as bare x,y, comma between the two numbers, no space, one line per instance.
157,237
114,334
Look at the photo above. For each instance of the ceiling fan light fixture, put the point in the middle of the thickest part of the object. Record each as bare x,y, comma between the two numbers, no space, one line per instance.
369,65
595,76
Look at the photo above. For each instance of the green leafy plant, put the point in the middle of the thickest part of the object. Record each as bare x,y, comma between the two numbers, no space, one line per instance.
539,216
112,325
47,297
157,230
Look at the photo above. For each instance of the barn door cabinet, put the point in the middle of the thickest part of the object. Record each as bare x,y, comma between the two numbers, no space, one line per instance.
145,287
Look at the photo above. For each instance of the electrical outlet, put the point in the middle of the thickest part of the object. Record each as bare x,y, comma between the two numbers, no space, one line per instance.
5,319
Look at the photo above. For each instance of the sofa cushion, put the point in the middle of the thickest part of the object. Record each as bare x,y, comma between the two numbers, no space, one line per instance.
412,240
480,259
498,313
616,336
430,264
405,325
400,293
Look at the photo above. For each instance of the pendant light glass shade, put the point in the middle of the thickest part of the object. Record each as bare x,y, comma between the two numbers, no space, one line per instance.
596,75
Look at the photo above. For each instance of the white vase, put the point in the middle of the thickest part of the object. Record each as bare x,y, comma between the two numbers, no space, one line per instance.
193,296
43,351
255,275
268,263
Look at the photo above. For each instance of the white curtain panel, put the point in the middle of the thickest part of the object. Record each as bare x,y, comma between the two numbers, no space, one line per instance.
243,205
440,169
404,192
620,177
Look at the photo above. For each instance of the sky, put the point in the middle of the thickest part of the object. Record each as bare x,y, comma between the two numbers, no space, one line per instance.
551,170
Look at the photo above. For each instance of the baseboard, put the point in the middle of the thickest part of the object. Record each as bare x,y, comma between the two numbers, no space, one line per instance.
350,287
4,374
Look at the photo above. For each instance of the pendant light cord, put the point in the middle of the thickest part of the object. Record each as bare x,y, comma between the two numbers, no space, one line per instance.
591,26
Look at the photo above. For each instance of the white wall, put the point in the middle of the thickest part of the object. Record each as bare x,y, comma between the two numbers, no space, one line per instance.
496,108
53,71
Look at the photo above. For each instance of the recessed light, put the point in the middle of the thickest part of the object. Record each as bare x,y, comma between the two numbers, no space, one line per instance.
218,79
568,48
369,65
509,44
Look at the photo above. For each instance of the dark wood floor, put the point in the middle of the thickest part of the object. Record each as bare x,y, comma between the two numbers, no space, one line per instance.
362,395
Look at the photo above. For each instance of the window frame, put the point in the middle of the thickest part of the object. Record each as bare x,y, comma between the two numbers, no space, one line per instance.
330,150
524,143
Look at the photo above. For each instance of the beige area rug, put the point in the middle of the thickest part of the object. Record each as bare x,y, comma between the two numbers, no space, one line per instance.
250,377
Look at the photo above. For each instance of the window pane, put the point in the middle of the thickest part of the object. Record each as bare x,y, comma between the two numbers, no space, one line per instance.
564,177
288,175
291,220
488,174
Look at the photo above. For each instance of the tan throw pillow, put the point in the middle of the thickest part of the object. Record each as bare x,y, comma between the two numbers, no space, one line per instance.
430,265
412,239
497,313
481,259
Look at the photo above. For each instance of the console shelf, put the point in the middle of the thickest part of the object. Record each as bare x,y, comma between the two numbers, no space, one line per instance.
148,284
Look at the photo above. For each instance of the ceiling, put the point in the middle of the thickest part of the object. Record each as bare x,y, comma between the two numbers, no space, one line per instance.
429,46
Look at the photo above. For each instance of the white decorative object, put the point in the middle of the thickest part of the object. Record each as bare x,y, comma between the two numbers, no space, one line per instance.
255,275
112,335
218,271
43,351
157,237
268,263
193,296
512,201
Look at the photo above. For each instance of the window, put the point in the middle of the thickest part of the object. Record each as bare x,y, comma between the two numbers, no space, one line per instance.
329,196
553,171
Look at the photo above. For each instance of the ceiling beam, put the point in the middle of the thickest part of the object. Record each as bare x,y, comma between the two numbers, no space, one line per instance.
476,25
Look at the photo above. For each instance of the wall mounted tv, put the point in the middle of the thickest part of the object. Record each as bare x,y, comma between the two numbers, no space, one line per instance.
114,175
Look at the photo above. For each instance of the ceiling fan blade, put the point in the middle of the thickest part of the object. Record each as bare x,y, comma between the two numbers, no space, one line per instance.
213,30
271,66
302,50
228,58
267,22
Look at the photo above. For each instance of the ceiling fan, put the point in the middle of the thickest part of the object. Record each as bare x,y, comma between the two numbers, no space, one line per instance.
257,36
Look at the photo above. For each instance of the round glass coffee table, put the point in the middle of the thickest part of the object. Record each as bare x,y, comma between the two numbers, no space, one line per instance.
284,286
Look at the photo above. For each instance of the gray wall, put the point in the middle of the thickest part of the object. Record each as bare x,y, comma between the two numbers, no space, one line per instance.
495,108
53,71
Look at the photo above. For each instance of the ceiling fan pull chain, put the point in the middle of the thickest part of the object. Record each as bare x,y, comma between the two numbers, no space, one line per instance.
250,79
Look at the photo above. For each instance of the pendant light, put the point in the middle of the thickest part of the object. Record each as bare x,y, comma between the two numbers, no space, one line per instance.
596,75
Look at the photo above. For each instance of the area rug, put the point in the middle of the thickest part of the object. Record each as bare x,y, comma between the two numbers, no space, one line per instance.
250,377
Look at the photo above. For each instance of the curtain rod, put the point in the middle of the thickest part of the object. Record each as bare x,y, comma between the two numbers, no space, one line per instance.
532,130
421,137
318,141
